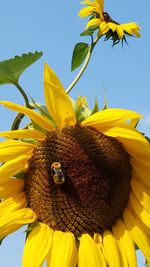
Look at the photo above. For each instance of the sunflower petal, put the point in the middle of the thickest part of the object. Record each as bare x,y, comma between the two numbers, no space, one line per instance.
98,241
87,11
51,257
37,246
10,186
141,172
133,141
126,243
120,31
13,203
57,101
142,193
93,22
13,220
122,255
104,27
36,117
109,118
110,249
21,134
136,233
65,244
12,149
89,254
112,26
127,134
14,166
139,210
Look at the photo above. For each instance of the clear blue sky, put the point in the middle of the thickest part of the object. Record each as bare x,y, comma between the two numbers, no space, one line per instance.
53,27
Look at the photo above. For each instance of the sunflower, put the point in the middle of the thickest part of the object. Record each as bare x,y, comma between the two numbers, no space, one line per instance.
82,188
105,23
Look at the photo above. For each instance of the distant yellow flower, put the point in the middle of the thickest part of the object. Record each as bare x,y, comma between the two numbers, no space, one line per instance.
86,186
105,23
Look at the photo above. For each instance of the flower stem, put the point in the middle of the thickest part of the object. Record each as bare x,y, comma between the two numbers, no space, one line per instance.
87,59
17,121
23,94
20,116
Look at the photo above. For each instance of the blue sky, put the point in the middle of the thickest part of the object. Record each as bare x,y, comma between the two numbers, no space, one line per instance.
53,27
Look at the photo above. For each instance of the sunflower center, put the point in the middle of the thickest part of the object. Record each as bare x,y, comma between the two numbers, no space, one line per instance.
108,18
78,180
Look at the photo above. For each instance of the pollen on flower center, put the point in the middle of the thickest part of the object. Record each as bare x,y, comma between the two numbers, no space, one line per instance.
96,187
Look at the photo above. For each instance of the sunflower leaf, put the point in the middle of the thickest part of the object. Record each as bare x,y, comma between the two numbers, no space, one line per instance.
105,103
11,69
89,31
79,54
96,107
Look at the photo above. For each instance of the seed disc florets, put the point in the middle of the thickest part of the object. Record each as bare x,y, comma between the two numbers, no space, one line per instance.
96,186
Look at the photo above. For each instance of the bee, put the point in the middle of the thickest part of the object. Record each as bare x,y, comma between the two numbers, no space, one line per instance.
57,173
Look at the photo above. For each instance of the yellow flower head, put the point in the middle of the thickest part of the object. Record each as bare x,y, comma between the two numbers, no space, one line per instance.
85,190
106,25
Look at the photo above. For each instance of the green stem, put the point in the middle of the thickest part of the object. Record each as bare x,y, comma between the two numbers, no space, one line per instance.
17,121
23,94
20,116
87,59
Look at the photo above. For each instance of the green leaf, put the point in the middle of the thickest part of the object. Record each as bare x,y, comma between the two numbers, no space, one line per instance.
82,114
96,107
105,103
11,69
79,54
89,31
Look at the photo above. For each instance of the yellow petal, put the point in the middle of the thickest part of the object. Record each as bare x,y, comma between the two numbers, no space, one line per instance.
37,246
101,4
122,255
12,149
13,220
131,28
89,254
111,250
142,193
87,11
127,134
65,244
13,166
141,225
36,117
21,134
141,172
112,26
57,101
9,187
93,22
126,243
120,31
133,141
98,241
104,27
67,256
136,233
139,210
52,255
108,118
16,202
